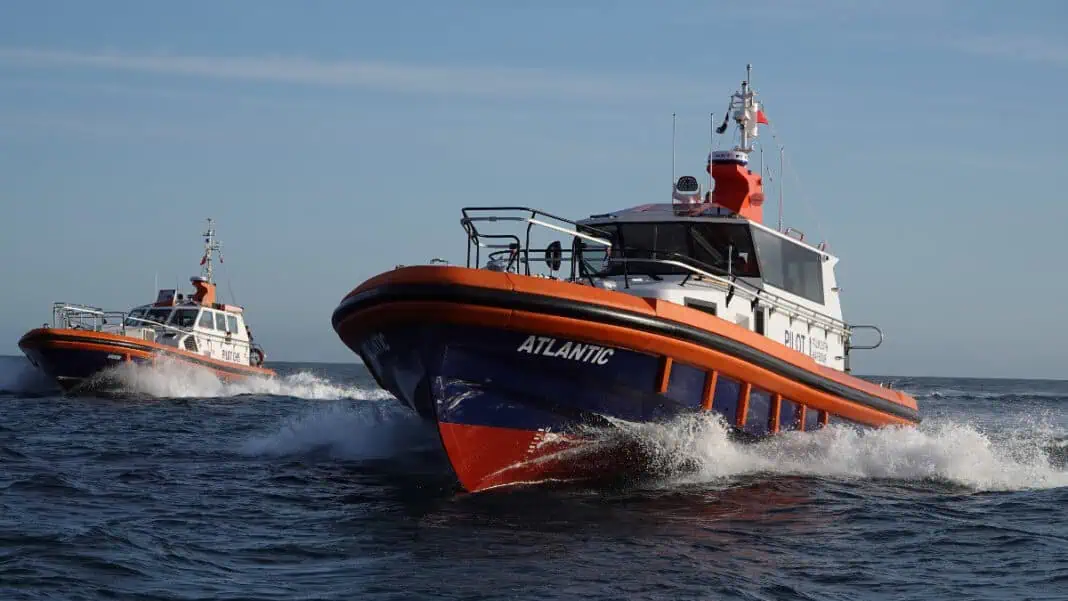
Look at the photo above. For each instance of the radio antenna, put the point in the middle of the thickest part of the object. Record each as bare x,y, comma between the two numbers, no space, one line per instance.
781,150
673,153
711,138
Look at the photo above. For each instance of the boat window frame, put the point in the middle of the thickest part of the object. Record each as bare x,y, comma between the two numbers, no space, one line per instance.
778,256
172,320
615,257
137,314
164,312
206,313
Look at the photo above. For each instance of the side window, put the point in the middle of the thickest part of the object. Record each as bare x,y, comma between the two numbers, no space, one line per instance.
700,305
686,384
789,414
812,419
220,322
206,321
725,398
759,412
788,265
231,321
723,246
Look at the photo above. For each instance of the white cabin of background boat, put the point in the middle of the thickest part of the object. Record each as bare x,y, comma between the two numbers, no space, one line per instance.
195,323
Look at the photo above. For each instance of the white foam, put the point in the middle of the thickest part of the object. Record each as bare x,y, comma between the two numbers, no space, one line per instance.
171,379
943,450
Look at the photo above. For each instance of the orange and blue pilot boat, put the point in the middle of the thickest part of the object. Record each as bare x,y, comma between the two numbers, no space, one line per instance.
668,309
83,341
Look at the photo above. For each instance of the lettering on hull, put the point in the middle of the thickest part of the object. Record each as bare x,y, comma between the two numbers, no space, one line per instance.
233,356
572,351
813,347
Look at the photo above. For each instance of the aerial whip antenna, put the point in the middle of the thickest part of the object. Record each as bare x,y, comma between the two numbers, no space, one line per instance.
672,152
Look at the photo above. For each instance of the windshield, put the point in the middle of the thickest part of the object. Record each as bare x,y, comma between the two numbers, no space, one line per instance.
184,318
158,315
136,313
715,247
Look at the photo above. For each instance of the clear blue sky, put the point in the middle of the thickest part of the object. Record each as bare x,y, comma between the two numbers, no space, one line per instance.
333,140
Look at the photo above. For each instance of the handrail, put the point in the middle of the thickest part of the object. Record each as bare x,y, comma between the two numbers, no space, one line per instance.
185,331
523,251
753,292
865,348
72,313
468,223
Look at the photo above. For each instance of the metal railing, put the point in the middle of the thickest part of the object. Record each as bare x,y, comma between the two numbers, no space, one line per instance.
180,330
518,254
83,317
753,293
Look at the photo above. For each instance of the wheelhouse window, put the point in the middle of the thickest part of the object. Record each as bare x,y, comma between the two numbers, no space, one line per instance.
231,323
716,247
183,318
136,315
206,319
158,315
220,322
790,266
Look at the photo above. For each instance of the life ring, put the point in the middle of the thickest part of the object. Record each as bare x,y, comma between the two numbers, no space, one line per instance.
257,356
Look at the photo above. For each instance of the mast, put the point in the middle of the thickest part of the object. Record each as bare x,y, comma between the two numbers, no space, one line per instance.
781,149
673,152
739,190
711,144
210,245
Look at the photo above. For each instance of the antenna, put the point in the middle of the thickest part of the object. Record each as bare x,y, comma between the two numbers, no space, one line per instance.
781,148
711,143
210,245
760,168
673,153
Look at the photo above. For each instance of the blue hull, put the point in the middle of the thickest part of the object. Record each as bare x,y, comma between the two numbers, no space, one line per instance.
497,395
72,367
506,379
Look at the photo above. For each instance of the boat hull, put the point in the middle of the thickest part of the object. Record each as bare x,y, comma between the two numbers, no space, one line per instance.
73,357
524,376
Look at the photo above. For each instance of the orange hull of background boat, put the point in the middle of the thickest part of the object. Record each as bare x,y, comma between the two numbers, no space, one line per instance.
73,355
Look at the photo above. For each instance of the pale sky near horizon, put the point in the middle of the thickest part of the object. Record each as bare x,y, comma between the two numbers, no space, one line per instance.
333,140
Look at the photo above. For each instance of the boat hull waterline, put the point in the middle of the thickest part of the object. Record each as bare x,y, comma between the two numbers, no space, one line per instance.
73,357
516,370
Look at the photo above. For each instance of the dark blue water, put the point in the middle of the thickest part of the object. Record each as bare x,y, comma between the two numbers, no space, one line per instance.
318,487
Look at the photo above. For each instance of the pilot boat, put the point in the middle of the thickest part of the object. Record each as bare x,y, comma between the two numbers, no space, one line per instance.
192,329
667,309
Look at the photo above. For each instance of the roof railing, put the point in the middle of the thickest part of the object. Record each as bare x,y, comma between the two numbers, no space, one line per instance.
516,254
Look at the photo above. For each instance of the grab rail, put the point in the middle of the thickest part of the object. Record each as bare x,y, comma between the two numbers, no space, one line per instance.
84,316
468,223
753,293
94,318
869,327
519,251
179,330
